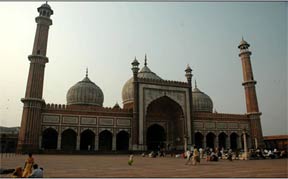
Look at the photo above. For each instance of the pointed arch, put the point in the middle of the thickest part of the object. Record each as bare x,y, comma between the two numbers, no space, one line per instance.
222,138
122,141
198,139
156,137
105,140
171,114
210,140
87,140
68,139
171,104
49,138
234,141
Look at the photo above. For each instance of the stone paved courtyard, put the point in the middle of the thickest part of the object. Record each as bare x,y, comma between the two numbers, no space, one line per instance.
79,166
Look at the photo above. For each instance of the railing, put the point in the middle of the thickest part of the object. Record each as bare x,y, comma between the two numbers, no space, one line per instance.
8,154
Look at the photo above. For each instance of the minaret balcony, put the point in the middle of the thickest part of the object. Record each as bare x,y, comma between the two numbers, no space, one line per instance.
244,51
38,59
249,82
43,20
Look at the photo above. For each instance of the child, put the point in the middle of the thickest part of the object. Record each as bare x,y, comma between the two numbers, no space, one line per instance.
130,161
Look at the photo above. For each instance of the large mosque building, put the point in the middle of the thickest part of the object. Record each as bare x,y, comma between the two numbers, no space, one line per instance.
156,112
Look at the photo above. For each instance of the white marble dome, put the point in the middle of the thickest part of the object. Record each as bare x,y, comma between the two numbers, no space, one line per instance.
85,92
201,101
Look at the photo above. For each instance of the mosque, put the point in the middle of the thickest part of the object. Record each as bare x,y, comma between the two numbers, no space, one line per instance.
156,112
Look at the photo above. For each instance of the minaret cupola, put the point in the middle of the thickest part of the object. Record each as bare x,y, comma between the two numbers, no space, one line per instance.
45,10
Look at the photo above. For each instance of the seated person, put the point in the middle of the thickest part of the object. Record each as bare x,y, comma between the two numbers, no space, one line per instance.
213,156
37,172
17,173
283,154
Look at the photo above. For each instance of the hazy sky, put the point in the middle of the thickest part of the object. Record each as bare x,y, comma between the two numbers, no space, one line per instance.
105,37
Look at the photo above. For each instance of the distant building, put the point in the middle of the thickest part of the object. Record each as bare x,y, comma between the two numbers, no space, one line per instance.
156,113
279,142
9,139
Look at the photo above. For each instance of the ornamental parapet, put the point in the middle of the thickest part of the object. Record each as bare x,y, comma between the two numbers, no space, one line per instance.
220,116
85,108
164,82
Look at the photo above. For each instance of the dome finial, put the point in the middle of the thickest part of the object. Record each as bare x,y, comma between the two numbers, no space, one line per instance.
86,72
145,63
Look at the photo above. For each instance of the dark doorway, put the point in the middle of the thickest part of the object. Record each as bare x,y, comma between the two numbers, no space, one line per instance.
87,140
49,139
122,141
233,141
198,140
68,140
105,141
222,140
210,137
156,137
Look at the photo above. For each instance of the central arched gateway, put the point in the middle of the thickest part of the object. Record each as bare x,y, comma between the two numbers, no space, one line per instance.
156,137
164,124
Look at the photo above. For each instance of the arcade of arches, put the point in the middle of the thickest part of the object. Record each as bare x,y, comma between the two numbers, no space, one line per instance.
88,140
169,114
211,140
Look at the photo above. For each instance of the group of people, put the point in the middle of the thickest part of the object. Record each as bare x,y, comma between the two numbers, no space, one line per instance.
265,153
31,169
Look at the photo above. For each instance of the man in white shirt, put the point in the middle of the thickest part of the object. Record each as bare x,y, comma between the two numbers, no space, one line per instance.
201,152
188,155
37,172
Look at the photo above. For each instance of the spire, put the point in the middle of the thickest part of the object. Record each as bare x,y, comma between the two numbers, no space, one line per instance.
145,63
86,72
195,83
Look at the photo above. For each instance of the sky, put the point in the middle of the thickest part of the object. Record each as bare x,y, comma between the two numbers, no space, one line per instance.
106,36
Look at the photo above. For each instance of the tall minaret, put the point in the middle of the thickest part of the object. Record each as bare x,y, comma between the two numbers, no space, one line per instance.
188,75
31,118
135,121
250,95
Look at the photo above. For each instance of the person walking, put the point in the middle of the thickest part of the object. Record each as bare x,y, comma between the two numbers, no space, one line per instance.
201,153
130,161
196,157
188,157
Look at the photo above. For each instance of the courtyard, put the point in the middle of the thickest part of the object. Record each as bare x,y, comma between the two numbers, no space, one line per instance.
79,166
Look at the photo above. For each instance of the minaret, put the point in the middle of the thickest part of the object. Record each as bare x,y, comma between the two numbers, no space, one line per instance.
188,75
31,118
250,94
135,121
